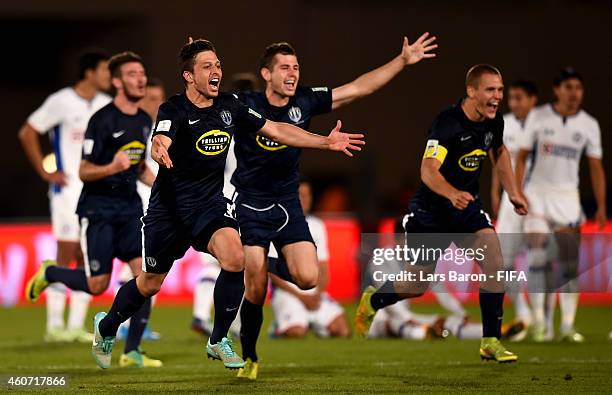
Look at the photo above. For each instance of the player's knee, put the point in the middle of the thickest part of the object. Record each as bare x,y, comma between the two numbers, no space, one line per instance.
296,332
149,284
97,285
307,279
232,261
339,327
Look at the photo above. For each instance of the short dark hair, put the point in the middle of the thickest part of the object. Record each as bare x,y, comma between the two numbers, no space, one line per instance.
567,73
529,87
283,48
89,60
153,82
472,78
118,60
189,51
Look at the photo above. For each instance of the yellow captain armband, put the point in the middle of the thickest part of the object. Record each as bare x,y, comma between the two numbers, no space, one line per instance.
435,151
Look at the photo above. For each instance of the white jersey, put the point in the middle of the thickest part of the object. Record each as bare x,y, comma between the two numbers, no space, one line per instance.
557,143
64,115
513,134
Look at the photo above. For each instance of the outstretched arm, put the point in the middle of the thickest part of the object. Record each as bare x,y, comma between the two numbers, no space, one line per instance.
503,166
370,82
284,133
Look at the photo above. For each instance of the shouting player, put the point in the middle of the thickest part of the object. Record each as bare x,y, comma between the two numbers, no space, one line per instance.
109,207
64,115
447,201
187,206
266,179
558,133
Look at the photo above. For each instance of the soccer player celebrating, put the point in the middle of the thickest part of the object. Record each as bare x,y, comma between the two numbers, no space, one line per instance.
558,133
187,207
64,115
266,179
109,207
522,98
447,201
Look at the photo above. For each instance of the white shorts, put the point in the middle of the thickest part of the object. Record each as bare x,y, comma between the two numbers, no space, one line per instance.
509,228
550,209
289,311
64,220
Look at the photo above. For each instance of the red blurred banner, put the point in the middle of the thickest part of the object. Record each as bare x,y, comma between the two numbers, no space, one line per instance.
22,247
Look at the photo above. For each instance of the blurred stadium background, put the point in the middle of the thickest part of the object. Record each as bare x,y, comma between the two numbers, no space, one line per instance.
336,41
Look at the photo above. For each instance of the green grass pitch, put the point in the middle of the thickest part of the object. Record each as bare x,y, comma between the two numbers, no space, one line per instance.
317,365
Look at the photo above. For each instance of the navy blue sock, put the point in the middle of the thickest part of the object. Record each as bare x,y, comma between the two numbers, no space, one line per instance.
75,279
138,323
251,319
492,311
228,293
280,268
385,296
127,302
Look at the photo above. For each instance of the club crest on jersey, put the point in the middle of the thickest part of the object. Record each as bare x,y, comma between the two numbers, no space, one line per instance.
577,137
488,139
268,144
471,161
213,142
295,114
134,150
226,117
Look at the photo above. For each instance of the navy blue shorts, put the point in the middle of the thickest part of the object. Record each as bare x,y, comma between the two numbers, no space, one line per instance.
264,221
438,227
106,237
167,235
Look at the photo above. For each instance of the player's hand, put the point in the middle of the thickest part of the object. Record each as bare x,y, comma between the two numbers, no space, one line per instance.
461,199
121,162
311,301
339,141
159,153
189,40
521,206
421,49
57,178
601,218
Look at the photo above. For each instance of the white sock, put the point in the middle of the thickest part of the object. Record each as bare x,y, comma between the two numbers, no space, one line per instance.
521,307
536,258
56,302
551,305
203,299
79,303
569,305
471,330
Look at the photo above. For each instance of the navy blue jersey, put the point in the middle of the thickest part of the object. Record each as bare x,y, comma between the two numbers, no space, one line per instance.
267,169
109,131
200,140
461,145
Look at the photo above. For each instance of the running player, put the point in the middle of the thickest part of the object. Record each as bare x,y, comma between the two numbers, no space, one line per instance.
296,311
187,207
447,201
522,98
64,115
109,207
558,133
266,180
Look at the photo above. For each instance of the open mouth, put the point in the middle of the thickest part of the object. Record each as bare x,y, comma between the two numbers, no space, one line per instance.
492,106
214,83
290,84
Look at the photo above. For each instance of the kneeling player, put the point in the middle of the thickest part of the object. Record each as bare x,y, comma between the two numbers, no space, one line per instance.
447,202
